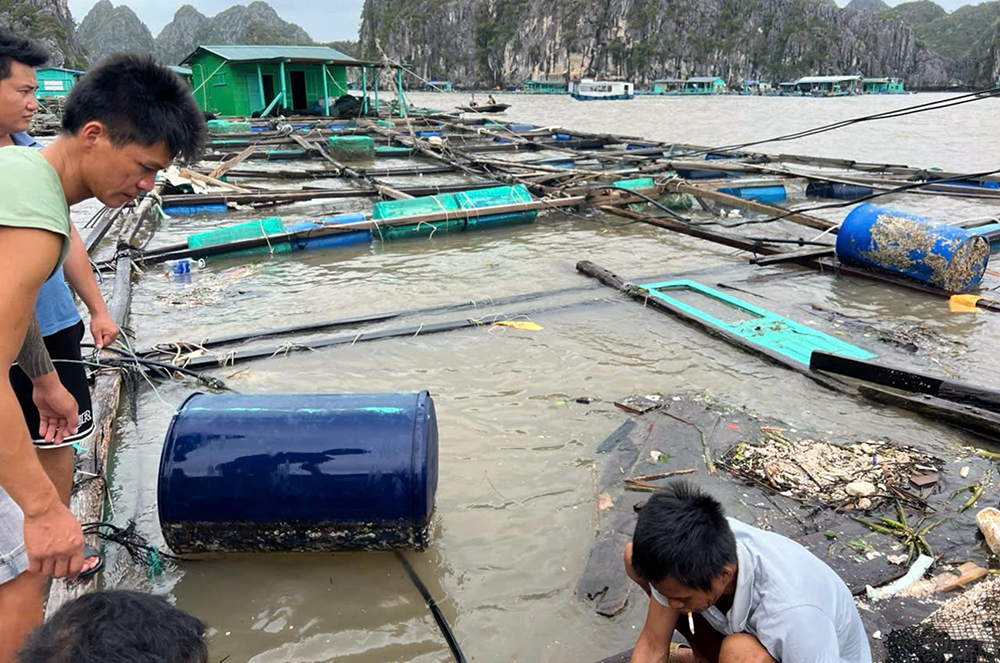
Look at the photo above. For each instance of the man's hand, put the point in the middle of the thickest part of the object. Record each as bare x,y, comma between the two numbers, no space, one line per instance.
103,329
57,409
54,542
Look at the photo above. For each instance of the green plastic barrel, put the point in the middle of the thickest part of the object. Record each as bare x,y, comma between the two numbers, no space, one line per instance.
494,197
424,229
636,183
228,127
395,209
393,151
351,148
248,230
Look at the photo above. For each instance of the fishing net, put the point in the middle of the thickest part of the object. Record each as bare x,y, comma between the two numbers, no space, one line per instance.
966,629
352,148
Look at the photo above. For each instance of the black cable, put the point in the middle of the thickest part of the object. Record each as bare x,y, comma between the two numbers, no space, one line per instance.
900,112
442,623
670,212
871,196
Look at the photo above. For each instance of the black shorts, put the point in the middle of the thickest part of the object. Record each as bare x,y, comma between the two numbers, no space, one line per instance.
63,345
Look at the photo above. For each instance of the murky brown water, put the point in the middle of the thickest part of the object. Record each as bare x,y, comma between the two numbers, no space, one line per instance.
515,508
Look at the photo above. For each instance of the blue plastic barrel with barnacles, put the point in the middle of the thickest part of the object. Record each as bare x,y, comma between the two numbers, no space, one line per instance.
299,472
944,256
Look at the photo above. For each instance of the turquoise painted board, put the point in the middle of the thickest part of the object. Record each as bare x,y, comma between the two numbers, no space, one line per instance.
766,329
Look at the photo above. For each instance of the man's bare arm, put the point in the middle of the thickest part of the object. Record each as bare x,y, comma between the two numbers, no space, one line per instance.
34,358
52,536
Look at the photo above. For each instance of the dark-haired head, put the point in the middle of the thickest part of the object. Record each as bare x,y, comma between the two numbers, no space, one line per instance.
15,48
18,58
137,101
683,544
117,627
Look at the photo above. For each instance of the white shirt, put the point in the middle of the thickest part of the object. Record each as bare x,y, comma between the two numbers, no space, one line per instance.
793,603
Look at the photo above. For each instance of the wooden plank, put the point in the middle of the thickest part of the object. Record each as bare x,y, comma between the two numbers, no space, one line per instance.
700,232
966,417
299,195
228,165
794,256
906,380
612,280
753,205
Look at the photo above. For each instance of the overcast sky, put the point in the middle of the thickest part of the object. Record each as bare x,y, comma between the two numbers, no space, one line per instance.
324,20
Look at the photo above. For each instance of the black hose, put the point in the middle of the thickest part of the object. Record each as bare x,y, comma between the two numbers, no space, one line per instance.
442,623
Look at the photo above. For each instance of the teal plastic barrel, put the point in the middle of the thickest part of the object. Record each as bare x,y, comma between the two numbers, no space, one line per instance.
947,257
251,229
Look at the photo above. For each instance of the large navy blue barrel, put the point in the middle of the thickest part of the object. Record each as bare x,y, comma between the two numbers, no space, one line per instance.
948,257
310,472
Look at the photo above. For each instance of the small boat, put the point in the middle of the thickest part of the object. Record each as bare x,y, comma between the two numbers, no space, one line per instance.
590,90
485,108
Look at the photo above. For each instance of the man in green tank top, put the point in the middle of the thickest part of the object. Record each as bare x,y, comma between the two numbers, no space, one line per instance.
124,121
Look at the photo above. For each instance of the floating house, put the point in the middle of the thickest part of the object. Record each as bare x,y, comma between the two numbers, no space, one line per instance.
757,87
184,73
545,86
55,81
243,80
882,86
591,90
668,86
788,89
704,85
438,86
829,86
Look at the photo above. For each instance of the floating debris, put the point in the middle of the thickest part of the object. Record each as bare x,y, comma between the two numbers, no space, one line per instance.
966,629
837,475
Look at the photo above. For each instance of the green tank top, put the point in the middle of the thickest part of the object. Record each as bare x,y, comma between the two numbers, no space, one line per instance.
31,195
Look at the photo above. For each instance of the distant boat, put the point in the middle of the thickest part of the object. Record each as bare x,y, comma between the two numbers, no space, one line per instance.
485,108
588,90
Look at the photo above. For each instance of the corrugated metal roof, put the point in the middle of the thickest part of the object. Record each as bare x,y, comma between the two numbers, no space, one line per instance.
254,53
669,80
827,79
68,71
703,79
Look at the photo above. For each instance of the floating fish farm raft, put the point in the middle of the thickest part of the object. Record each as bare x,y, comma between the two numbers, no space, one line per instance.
416,178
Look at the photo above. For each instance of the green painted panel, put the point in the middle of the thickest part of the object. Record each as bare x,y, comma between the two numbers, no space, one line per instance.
764,328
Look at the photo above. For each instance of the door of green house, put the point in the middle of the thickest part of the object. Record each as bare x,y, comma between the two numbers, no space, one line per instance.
268,81
253,93
299,90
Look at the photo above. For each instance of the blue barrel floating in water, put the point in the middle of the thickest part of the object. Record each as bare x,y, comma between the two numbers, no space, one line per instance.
183,210
770,193
947,257
690,174
310,472
332,240
838,190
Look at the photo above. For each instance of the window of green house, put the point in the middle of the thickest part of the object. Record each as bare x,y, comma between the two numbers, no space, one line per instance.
219,79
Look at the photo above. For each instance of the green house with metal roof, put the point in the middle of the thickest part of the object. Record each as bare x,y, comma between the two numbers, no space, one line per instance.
183,72
882,86
55,81
242,80
545,86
